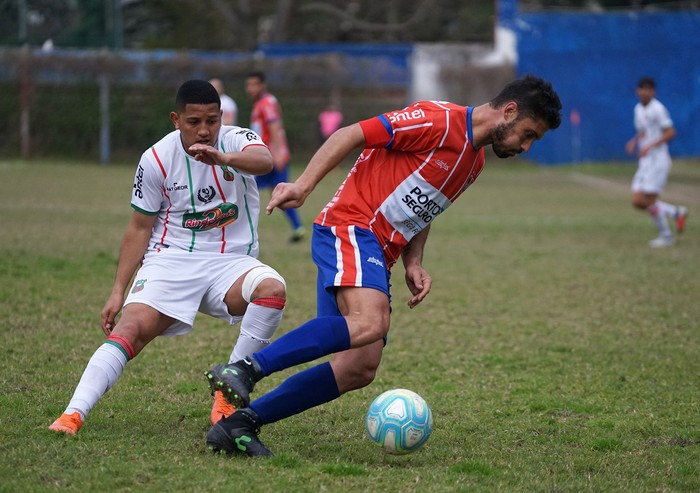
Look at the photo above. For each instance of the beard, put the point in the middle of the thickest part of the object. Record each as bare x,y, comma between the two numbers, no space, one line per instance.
499,135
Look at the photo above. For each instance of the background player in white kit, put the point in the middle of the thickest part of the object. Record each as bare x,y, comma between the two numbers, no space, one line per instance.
654,130
229,108
192,241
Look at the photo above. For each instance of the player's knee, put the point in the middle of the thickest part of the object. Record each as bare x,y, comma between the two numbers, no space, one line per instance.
361,376
639,204
367,328
270,287
365,376
133,335
263,281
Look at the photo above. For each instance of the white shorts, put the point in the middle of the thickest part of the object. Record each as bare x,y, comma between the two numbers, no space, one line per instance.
652,173
179,284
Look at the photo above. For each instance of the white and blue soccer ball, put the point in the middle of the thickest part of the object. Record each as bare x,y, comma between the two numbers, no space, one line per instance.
400,421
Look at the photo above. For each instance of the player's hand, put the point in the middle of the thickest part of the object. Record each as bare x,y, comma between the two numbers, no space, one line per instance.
285,196
206,154
419,283
631,146
109,313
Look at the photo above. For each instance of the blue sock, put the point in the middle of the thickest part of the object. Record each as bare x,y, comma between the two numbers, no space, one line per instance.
316,338
293,217
298,393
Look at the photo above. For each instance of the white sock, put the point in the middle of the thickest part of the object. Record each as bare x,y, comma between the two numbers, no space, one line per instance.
660,221
257,327
668,210
101,372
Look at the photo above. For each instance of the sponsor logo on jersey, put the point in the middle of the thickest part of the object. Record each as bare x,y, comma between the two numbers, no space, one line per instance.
228,174
442,164
413,205
218,217
421,205
406,115
176,187
138,186
139,285
249,134
207,194
375,261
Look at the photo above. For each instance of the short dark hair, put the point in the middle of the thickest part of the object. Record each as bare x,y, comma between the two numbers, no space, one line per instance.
196,92
535,97
646,82
258,74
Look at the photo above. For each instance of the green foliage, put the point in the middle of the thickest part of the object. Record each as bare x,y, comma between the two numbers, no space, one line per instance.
557,351
241,26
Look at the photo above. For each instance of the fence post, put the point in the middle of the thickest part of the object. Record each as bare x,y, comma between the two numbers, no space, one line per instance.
25,87
103,81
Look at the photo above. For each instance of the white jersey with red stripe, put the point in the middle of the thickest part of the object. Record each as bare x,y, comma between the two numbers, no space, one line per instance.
200,207
416,162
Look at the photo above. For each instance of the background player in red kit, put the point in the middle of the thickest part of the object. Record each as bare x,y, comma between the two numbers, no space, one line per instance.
266,121
415,163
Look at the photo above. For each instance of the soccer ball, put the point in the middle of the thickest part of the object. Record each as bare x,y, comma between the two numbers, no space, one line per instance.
400,421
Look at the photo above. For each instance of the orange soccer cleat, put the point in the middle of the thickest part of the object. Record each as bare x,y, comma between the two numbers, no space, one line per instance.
67,423
221,408
681,216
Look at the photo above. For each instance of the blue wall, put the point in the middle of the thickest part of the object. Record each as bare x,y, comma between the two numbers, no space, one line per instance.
594,62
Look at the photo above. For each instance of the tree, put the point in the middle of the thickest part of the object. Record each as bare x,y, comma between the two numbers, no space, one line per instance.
241,25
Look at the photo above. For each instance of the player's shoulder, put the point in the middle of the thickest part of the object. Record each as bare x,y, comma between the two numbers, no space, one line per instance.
269,98
424,110
165,146
241,135
658,105
440,106
434,109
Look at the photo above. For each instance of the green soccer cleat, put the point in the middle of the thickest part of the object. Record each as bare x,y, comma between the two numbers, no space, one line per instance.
238,434
235,381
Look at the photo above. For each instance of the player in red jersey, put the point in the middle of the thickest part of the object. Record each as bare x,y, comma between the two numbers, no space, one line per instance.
266,121
415,163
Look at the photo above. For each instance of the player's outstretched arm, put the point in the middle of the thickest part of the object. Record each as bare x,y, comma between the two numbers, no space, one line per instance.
254,159
329,156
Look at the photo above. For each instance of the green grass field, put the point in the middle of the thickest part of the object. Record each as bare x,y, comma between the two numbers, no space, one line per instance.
558,352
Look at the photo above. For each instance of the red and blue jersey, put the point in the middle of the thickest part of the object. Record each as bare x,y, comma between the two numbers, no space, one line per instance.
416,162
266,110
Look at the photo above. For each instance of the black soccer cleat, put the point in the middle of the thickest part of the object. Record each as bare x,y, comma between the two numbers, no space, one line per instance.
235,381
238,434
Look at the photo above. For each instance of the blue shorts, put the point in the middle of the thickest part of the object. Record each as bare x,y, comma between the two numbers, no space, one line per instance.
346,256
274,177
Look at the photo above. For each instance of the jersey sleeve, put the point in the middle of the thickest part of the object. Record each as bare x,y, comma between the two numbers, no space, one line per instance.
378,131
410,129
665,120
239,138
271,111
147,193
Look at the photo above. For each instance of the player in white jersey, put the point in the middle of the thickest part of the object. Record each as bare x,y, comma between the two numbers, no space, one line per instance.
654,130
229,108
192,244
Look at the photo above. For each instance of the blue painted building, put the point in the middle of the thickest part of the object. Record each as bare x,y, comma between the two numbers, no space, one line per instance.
595,60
